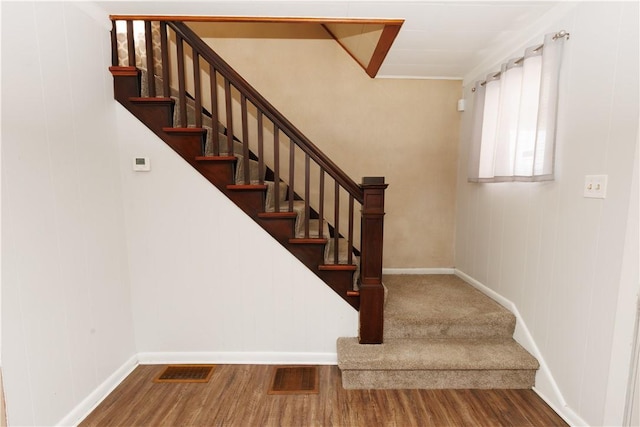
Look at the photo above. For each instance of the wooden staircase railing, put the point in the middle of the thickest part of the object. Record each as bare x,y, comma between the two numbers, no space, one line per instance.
181,68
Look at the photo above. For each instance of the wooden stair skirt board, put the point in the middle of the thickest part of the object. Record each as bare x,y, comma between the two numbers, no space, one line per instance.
256,200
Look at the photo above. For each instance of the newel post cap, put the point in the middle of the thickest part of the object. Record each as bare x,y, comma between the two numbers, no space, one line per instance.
374,181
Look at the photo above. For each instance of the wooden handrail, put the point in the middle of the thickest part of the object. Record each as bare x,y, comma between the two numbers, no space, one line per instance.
269,110
256,19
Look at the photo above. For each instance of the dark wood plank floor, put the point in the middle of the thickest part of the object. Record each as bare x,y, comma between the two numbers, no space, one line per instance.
237,396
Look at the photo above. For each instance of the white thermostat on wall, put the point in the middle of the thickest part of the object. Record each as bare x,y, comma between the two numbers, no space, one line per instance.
141,164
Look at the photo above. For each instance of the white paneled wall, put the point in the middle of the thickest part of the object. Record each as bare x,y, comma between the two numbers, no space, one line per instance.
208,284
555,254
66,312
101,264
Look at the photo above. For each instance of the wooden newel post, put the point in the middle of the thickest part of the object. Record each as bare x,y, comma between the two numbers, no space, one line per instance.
371,290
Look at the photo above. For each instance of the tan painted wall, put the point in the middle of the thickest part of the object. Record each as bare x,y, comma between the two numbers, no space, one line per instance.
405,130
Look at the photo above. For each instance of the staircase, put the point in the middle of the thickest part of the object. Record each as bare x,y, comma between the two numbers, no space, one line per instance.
439,332
175,84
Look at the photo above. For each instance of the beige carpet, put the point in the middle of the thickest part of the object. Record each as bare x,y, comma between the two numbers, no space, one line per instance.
439,332
440,306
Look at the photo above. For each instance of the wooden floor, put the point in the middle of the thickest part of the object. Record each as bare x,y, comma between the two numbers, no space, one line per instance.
237,395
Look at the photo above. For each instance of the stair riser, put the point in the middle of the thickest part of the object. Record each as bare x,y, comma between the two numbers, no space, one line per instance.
438,379
158,115
397,329
125,86
219,174
251,202
187,146
155,117
280,228
341,282
309,254
153,122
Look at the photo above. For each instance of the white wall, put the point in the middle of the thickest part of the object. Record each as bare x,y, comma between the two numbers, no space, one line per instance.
209,284
621,397
543,246
3,417
102,264
66,313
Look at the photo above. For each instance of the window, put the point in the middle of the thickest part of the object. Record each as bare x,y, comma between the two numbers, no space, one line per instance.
514,121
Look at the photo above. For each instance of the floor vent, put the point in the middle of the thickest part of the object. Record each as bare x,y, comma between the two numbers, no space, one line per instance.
294,380
185,374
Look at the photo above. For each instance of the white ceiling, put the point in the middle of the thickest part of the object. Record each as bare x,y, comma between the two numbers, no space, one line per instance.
439,39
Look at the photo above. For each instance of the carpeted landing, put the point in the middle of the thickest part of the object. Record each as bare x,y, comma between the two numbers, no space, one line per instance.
439,332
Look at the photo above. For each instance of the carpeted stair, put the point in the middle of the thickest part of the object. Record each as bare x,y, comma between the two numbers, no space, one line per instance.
439,332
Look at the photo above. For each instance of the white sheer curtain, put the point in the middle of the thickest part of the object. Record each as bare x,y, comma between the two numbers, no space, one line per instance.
514,123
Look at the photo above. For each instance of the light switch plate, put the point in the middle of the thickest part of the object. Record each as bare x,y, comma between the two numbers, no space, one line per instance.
595,186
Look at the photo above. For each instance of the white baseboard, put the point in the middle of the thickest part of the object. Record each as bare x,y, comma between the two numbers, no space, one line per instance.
418,270
90,402
524,338
522,335
565,412
251,358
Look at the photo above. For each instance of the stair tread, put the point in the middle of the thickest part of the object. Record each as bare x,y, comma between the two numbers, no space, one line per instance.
440,306
191,130
338,267
122,71
311,240
275,215
154,100
431,354
246,187
215,159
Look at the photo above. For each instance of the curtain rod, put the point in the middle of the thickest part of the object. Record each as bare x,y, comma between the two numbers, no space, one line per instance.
562,34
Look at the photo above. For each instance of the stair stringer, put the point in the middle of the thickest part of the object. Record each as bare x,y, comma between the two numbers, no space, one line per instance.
208,284
157,113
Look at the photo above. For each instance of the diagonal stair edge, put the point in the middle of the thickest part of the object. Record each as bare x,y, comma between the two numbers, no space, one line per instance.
173,61
188,143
